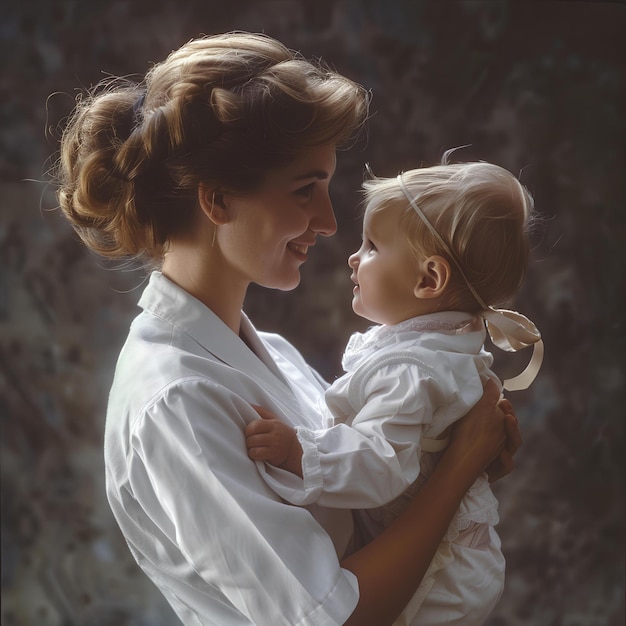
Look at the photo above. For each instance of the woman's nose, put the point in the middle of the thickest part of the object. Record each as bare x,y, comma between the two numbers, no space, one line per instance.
323,221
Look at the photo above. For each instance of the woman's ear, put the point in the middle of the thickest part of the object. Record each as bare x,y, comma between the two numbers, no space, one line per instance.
212,204
433,277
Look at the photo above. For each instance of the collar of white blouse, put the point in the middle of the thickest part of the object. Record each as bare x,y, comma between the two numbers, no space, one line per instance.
245,353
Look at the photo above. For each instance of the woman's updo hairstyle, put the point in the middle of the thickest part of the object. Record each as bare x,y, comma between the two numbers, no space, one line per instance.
223,110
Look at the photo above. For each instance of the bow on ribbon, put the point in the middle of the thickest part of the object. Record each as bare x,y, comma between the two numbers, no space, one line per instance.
512,331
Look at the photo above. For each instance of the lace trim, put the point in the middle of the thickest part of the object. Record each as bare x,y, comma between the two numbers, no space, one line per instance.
421,324
487,516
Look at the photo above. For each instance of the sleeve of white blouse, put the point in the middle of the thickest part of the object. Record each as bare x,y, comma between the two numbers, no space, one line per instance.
190,473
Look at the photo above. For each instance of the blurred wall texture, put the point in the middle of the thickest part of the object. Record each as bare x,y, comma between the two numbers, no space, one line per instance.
537,87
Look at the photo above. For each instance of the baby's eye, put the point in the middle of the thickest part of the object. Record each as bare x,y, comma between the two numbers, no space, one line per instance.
369,244
305,192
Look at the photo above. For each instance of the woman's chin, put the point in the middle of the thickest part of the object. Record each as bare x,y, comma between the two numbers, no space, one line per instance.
285,283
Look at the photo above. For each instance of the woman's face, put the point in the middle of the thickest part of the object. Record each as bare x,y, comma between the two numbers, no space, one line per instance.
270,230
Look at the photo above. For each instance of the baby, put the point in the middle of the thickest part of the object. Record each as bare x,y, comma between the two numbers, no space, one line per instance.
441,247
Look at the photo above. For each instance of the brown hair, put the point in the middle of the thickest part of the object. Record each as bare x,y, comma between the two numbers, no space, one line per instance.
481,211
223,109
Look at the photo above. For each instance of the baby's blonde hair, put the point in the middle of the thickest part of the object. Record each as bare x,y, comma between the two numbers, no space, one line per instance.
480,210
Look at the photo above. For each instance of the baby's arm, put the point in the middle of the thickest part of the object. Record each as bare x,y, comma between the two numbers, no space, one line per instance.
270,439
361,465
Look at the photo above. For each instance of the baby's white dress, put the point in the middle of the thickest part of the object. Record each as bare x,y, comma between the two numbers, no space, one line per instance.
404,386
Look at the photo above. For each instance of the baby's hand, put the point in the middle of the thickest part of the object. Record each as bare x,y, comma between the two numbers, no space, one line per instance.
270,439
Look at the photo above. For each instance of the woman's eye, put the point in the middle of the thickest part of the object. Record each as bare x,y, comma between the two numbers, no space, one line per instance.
305,192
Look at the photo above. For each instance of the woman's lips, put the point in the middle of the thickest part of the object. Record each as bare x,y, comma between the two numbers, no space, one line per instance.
300,250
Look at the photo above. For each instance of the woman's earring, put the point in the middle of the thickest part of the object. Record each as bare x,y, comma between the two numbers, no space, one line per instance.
214,224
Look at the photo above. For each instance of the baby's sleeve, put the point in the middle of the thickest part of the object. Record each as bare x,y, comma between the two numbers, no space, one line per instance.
370,460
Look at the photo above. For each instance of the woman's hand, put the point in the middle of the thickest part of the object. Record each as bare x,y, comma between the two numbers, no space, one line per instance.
504,464
480,438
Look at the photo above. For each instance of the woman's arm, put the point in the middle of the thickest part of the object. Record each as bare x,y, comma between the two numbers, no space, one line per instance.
193,503
391,567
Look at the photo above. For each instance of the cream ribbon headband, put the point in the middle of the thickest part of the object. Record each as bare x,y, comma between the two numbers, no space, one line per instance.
509,330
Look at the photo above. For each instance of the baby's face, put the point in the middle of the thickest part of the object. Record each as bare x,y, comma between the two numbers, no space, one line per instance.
384,270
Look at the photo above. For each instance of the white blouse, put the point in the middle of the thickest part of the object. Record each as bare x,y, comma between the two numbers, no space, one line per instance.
403,384
197,513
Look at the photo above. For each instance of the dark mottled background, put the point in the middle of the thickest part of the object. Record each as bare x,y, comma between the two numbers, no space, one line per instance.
537,87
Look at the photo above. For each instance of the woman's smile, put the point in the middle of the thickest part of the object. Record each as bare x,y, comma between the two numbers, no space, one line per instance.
299,249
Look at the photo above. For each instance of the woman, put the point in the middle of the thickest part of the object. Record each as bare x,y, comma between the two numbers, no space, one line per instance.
216,170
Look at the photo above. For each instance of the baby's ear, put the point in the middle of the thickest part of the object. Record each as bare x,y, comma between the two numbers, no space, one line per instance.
432,278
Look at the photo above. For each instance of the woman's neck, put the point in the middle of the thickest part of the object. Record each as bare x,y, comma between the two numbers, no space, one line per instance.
201,274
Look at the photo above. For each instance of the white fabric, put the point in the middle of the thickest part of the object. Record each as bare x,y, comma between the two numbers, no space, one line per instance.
195,510
403,384
465,592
